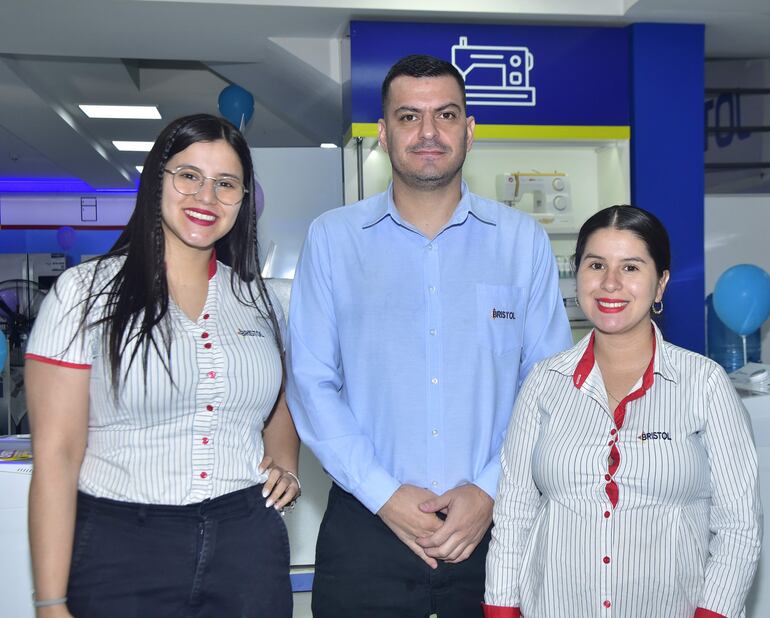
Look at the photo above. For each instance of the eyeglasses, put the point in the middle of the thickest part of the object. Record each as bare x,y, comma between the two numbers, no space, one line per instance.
189,181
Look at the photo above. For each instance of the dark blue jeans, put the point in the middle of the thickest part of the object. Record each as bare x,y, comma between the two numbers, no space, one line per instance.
222,558
364,571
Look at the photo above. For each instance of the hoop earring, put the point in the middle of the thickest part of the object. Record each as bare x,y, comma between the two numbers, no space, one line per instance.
657,310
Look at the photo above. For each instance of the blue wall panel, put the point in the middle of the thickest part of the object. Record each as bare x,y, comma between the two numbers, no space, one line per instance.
667,177
87,242
577,76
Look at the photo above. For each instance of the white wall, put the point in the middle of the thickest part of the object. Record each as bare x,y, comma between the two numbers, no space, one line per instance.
299,184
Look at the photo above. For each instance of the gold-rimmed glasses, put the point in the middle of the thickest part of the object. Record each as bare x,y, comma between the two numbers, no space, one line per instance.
189,180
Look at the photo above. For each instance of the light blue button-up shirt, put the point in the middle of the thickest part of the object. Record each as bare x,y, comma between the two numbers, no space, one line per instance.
405,353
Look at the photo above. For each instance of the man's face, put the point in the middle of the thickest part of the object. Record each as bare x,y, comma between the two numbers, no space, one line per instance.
425,131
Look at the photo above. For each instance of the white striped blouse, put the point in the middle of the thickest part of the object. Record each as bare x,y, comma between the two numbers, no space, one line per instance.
648,511
164,443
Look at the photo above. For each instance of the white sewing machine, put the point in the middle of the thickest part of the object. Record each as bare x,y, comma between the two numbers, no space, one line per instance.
551,201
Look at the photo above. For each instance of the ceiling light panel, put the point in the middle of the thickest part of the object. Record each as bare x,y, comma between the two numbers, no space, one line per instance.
126,146
137,112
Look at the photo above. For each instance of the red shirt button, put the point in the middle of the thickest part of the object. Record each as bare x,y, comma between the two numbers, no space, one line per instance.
613,432
606,560
203,475
607,477
610,443
607,603
205,316
212,374
210,408
207,346
204,336
205,441
606,514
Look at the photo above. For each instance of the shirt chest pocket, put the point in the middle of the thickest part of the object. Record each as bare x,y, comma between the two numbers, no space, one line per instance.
500,317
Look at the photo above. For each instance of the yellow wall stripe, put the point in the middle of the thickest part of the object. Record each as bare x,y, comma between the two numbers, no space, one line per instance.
521,132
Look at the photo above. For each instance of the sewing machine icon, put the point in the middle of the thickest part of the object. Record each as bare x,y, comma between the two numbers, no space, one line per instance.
495,75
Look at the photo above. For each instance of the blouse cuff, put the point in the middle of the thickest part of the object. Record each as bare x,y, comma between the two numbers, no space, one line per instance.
496,611
700,612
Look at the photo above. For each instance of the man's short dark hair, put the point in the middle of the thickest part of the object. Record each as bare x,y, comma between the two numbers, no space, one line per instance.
420,65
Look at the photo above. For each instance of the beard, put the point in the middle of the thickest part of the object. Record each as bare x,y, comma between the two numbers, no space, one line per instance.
430,177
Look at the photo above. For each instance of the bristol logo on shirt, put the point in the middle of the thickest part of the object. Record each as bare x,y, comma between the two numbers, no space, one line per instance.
502,314
654,435
250,333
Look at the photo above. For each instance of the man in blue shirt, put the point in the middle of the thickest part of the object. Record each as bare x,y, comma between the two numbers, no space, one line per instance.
415,316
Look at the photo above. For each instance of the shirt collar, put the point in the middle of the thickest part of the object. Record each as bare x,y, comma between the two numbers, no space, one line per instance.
384,206
579,360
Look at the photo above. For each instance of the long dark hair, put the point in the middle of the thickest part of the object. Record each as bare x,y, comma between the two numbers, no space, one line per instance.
137,296
643,224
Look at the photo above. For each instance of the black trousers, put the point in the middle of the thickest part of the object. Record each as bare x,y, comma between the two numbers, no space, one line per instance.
364,571
222,558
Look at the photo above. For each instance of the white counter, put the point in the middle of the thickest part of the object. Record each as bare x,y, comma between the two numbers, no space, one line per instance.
15,575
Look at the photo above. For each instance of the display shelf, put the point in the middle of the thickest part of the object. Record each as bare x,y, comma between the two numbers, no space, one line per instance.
598,173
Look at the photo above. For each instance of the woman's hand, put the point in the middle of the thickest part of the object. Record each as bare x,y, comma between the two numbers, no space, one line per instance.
282,486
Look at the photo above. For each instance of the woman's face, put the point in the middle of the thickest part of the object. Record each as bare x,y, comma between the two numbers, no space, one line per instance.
617,282
198,221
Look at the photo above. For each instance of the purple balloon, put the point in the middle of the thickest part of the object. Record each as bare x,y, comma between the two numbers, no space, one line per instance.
65,236
11,300
259,199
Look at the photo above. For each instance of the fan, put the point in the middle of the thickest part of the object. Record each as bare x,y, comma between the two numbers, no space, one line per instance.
20,301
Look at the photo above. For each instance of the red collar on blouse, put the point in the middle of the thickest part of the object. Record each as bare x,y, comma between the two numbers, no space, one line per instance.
213,263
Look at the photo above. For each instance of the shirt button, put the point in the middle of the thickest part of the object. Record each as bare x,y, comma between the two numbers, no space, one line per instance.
610,443
210,408
613,432
204,335
212,374
606,560
607,603
430,247
434,432
607,477
434,381
205,440
203,475
432,331
606,514
205,316
207,345
432,289
434,483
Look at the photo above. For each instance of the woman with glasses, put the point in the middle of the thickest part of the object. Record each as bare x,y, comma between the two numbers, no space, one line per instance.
164,451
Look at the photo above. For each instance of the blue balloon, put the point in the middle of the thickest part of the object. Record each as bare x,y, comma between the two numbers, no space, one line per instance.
3,349
742,298
236,104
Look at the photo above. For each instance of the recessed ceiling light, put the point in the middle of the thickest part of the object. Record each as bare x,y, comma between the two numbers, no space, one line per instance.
139,168
133,146
328,145
139,112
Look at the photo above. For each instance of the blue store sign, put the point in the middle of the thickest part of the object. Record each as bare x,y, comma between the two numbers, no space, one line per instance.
521,81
